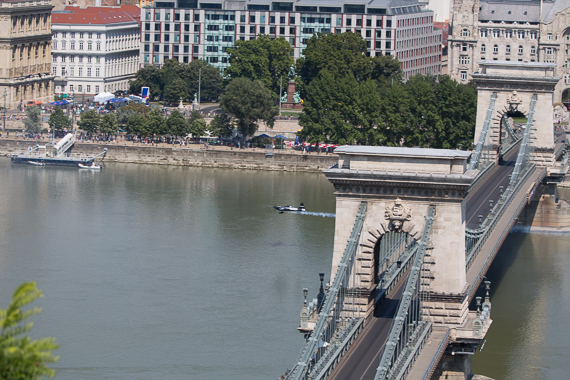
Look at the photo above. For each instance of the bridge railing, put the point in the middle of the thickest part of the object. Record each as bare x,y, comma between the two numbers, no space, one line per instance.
409,331
333,331
475,160
475,239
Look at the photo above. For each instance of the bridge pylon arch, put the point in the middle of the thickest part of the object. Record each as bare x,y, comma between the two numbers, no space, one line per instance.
514,84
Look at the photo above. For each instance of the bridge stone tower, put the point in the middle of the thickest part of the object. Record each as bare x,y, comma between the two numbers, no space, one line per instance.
515,83
399,185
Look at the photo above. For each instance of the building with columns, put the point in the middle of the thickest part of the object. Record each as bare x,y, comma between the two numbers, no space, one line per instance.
510,30
194,29
25,52
95,49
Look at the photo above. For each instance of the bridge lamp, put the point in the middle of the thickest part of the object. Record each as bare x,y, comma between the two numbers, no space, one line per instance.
321,296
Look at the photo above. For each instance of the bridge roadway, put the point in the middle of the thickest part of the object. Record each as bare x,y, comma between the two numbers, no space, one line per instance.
477,201
363,357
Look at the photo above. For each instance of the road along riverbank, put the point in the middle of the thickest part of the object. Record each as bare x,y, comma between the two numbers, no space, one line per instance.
192,155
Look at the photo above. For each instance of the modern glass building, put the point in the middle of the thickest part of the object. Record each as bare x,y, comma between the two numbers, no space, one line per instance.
194,29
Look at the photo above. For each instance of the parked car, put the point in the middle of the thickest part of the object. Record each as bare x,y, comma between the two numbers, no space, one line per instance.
33,103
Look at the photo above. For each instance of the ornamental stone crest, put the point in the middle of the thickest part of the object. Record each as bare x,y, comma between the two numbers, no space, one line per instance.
514,100
397,214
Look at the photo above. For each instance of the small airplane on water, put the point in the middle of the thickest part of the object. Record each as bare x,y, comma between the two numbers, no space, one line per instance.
283,209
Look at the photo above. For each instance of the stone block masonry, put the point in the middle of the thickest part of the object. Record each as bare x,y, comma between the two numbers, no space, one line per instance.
194,155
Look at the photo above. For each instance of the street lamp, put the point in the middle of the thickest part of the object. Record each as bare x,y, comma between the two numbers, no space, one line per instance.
199,83
5,107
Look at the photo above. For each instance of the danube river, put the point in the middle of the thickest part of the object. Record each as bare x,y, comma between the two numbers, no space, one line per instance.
153,272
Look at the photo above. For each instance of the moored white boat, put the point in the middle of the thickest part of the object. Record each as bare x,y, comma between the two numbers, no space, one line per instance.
92,166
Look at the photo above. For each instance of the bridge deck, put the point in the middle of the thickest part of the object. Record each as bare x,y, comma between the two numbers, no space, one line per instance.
363,357
477,202
429,355
499,233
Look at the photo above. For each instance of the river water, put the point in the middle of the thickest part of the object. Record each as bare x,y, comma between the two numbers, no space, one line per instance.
153,272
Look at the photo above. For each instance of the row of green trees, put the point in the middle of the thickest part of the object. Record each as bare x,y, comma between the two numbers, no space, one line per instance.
176,80
349,97
421,112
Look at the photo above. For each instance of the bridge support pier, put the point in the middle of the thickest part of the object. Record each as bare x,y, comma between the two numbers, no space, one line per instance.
453,367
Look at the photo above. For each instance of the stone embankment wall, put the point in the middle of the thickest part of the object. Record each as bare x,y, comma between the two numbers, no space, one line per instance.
193,155
549,210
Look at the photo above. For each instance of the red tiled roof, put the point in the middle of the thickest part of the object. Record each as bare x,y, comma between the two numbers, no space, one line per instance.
132,10
91,18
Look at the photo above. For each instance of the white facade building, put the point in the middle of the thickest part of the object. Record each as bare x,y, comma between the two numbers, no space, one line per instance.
95,49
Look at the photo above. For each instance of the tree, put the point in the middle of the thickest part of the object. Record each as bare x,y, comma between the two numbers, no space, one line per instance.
211,81
89,121
249,102
20,357
177,125
342,111
155,123
343,54
148,76
176,90
221,125
264,59
33,120
136,125
125,112
58,120
109,124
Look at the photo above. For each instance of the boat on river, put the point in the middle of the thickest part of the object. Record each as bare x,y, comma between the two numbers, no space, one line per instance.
59,154
283,209
92,166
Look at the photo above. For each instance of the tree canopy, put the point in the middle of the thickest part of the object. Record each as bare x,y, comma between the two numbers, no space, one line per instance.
58,120
175,80
421,112
33,120
89,121
109,124
20,357
341,55
249,102
264,59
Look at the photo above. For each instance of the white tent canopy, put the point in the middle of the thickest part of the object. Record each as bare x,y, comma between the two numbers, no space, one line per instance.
103,97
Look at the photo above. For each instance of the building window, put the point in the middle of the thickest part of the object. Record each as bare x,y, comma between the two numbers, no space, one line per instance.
71,88
508,50
464,47
54,45
80,72
520,34
63,71
80,88
72,71
96,89
463,75
496,33
72,45
89,45
88,59
549,36
520,50
495,49
98,45
81,46
81,35
464,60
548,50
483,49
533,35
88,88
465,33
97,72
508,34
533,50
89,71
483,32
98,37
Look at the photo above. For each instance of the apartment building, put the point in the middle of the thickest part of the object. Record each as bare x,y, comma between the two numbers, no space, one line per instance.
510,30
95,49
25,52
194,29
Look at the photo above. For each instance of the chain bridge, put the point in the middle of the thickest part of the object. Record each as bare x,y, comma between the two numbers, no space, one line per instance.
416,230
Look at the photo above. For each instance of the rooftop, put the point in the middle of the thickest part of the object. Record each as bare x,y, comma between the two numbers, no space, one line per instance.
96,15
402,151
